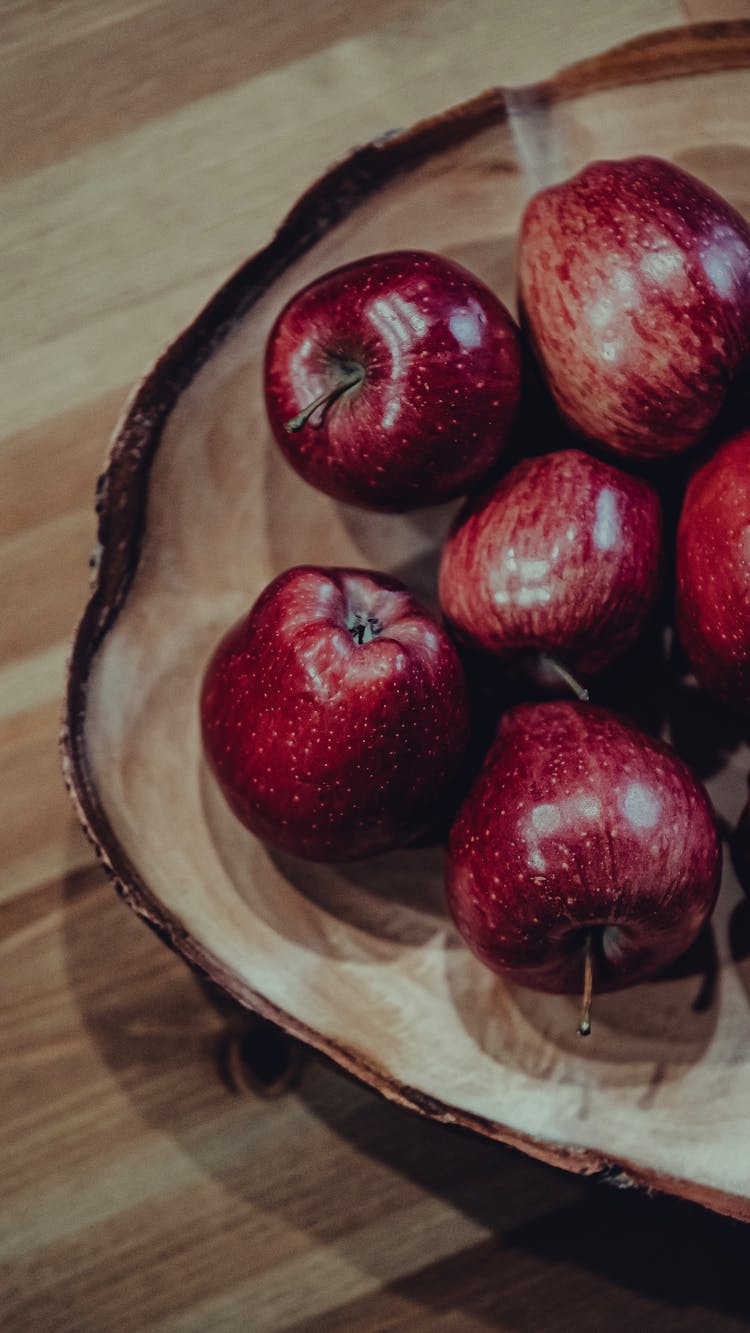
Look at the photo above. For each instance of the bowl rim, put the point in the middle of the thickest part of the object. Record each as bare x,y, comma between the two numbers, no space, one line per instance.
690,49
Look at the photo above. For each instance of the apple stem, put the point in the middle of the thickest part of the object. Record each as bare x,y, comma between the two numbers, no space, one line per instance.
364,629
348,381
579,690
584,1027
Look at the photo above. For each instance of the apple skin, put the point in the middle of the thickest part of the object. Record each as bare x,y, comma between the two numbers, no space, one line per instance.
579,822
634,285
326,747
440,361
713,572
562,556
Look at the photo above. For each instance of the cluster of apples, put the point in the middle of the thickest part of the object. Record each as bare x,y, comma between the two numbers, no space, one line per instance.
337,716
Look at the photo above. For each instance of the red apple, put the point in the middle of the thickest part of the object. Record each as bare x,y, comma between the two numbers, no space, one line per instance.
561,557
335,715
580,835
713,572
392,382
635,287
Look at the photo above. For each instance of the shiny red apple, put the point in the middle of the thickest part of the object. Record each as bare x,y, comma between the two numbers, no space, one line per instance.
634,283
581,835
392,382
334,715
561,557
713,572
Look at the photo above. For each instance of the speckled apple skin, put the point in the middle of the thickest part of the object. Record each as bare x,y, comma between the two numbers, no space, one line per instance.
579,821
713,572
562,556
442,375
328,748
634,281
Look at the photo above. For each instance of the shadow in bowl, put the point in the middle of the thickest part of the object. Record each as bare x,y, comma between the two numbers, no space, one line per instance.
397,896
739,943
705,731
641,1037
303,526
383,906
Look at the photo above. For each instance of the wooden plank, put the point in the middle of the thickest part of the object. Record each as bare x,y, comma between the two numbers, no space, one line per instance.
39,836
129,61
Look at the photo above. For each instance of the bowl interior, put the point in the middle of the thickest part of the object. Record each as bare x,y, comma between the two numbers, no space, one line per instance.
363,959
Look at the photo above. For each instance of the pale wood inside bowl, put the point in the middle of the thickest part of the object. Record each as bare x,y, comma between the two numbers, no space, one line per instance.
362,961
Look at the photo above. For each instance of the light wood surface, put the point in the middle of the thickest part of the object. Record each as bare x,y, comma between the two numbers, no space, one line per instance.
146,150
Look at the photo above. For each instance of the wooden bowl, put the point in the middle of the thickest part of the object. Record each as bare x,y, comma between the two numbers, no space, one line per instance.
197,511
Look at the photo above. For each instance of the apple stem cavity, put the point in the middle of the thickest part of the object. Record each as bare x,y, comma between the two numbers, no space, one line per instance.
363,629
579,690
584,1027
352,377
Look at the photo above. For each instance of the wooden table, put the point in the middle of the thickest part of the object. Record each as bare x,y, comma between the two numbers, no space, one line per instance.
147,148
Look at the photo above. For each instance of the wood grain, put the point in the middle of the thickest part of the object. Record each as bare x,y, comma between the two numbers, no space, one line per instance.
146,150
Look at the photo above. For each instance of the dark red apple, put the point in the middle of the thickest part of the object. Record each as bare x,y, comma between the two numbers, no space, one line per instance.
561,557
635,287
713,572
392,382
580,835
334,715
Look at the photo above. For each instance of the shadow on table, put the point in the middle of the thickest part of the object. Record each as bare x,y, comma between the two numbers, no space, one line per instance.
548,1251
